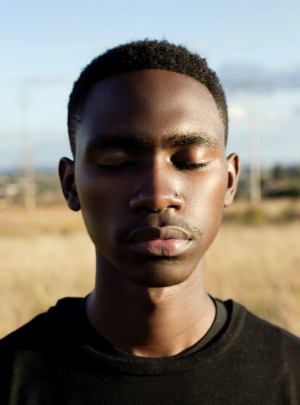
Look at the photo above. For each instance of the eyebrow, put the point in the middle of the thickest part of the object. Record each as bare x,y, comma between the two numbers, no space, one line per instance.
205,140
137,142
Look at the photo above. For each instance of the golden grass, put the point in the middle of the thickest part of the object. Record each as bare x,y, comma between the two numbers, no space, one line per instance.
258,266
47,255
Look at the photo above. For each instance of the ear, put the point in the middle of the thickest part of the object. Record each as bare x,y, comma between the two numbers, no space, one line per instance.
233,163
66,172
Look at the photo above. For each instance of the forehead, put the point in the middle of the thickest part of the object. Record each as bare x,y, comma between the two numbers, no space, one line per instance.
150,104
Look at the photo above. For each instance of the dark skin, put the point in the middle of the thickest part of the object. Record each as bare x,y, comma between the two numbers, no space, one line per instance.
152,179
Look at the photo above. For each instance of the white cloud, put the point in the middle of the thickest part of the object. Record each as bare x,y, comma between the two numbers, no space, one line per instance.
273,115
236,112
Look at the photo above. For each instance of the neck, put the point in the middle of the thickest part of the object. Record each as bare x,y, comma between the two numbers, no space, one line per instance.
149,322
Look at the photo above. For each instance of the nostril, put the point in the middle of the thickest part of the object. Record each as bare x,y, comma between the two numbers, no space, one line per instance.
176,207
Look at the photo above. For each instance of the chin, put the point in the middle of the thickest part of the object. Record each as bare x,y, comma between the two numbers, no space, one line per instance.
158,274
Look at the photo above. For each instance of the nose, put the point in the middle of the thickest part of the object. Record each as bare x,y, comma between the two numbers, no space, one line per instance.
157,191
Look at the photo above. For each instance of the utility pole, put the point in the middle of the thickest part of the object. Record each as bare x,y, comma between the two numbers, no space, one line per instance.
255,171
29,170
27,84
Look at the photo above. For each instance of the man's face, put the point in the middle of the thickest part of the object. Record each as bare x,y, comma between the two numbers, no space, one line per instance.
151,174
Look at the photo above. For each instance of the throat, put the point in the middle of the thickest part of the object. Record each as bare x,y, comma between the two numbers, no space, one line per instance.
152,322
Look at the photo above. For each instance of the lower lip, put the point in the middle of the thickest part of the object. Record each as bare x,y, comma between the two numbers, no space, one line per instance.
161,247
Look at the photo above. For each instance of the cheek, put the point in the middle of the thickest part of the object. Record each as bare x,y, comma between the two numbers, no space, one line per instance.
216,190
101,203
205,198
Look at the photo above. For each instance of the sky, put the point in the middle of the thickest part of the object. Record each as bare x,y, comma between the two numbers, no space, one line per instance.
44,47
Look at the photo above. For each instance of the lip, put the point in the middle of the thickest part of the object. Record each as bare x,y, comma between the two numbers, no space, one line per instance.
152,241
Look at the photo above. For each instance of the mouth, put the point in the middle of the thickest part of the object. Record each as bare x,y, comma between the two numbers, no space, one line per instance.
167,241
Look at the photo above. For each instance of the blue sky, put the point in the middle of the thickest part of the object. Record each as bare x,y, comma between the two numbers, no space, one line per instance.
44,46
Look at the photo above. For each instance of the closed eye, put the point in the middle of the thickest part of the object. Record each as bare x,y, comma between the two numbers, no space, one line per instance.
113,166
126,164
189,165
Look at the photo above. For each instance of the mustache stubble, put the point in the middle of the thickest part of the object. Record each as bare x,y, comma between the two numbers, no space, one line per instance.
157,220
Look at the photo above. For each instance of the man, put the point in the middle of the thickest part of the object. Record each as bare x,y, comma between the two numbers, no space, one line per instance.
148,128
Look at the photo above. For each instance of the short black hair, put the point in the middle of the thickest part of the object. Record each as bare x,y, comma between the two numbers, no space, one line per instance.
142,55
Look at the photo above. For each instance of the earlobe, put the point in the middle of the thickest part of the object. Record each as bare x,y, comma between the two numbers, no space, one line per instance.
233,164
66,172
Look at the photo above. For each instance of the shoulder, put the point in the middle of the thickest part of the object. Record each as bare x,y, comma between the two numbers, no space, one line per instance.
24,351
267,339
40,331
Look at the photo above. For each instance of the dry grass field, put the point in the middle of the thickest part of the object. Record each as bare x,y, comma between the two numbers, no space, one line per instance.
47,255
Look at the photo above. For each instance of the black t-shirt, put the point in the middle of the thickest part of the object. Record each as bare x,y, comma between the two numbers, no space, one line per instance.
58,358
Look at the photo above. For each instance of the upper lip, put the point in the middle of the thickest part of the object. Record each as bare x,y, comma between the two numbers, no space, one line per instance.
151,233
